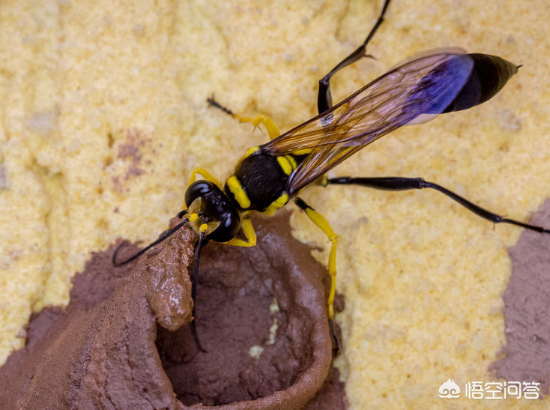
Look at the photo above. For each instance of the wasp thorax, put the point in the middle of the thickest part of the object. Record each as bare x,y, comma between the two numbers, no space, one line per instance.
211,212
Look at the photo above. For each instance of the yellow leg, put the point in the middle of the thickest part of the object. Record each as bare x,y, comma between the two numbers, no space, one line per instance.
324,225
268,123
249,234
206,175
271,128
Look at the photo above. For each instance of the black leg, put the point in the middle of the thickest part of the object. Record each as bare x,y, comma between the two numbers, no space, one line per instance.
334,338
194,286
403,184
213,103
324,98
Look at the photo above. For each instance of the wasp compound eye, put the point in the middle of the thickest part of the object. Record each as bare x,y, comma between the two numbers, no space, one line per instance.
198,189
215,208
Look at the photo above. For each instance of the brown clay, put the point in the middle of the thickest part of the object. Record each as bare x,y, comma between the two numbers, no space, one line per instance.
131,349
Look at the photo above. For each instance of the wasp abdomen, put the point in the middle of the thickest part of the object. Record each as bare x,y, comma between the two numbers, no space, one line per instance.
489,74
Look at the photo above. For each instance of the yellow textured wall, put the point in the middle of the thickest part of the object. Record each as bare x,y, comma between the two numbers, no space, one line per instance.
103,116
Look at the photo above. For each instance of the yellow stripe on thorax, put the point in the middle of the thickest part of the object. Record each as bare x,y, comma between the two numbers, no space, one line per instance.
292,161
251,151
278,203
238,192
287,163
304,151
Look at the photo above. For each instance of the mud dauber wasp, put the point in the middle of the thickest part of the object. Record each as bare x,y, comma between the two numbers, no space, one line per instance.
271,175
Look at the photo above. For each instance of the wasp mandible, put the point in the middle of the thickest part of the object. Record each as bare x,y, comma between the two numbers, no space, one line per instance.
271,175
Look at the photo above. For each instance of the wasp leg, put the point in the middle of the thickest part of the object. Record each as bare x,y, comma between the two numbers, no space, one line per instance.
403,184
206,175
249,234
324,98
270,127
324,225
195,285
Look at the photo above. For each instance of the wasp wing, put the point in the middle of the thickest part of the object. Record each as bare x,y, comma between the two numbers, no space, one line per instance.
411,93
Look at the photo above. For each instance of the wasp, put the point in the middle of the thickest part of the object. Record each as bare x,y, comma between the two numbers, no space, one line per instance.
270,176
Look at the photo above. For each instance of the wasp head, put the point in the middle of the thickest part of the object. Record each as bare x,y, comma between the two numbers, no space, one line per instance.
211,211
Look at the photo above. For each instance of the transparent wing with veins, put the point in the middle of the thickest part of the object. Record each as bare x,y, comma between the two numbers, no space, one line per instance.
412,93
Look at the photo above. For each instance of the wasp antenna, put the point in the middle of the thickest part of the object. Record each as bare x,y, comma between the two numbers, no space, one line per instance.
162,237
198,248
119,247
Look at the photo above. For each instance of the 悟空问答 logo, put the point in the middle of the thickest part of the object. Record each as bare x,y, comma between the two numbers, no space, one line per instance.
449,390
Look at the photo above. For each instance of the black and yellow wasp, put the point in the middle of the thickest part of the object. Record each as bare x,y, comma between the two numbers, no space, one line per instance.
271,175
